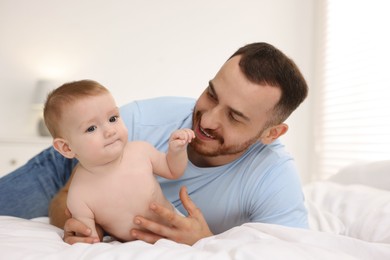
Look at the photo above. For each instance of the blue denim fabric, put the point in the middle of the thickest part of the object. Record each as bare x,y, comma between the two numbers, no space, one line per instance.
27,191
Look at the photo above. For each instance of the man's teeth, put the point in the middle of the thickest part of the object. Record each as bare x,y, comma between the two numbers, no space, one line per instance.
204,132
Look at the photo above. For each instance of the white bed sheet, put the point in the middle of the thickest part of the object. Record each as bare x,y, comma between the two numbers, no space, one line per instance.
347,222
356,210
26,239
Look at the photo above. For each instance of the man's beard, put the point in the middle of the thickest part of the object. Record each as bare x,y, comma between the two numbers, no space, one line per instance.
204,149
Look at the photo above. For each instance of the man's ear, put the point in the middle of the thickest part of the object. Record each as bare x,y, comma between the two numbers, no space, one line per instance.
62,146
273,132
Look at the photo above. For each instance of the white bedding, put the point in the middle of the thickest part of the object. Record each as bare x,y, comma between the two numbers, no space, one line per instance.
24,239
347,222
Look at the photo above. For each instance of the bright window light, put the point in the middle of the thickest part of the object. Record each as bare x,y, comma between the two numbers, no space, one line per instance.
353,116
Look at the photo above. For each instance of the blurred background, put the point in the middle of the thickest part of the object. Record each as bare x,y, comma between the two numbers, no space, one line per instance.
143,49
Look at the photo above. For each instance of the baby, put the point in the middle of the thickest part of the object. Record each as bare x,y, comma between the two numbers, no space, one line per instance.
114,180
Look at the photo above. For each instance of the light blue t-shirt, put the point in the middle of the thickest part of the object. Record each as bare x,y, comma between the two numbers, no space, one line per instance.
261,186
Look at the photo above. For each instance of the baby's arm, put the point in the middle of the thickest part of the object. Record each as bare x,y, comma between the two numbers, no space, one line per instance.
177,157
80,211
172,164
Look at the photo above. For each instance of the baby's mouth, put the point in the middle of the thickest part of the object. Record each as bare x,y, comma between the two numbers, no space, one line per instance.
112,142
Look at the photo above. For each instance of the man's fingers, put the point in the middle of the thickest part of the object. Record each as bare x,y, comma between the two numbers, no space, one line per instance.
145,236
157,229
77,232
73,239
172,220
73,226
191,208
167,215
173,226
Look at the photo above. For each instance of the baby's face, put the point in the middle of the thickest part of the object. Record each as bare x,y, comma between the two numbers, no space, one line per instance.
94,130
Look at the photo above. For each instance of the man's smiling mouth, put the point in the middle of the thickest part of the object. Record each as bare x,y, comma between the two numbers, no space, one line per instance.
204,134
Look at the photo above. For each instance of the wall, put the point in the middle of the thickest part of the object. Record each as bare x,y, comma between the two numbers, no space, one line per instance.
141,49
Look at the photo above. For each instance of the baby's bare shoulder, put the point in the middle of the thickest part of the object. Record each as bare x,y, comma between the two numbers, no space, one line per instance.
82,179
140,146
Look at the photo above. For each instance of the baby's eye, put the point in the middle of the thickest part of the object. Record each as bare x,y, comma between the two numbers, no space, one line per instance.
91,128
113,119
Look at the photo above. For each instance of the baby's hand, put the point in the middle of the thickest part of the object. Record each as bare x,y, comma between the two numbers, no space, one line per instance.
180,138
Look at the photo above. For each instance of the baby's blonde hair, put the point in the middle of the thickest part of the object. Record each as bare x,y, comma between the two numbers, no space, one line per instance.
65,95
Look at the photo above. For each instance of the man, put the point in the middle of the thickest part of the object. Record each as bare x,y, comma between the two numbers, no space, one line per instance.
238,170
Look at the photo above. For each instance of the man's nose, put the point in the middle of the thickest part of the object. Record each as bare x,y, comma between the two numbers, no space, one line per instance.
212,118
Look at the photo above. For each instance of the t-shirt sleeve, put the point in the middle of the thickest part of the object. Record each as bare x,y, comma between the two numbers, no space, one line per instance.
130,116
278,198
153,120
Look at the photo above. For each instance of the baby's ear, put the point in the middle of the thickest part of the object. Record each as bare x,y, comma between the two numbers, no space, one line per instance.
62,146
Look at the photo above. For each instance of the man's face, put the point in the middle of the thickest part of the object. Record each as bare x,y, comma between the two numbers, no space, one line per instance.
231,113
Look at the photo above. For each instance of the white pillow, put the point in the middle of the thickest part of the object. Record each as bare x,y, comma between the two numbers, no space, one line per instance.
354,210
375,174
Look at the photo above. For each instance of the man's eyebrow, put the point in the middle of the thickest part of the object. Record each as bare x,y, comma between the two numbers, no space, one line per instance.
240,114
234,111
212,89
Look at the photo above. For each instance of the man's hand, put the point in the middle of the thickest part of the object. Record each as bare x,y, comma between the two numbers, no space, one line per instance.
186,230
75,231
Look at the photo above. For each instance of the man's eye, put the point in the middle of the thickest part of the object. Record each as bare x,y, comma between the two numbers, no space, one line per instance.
113,119
211,95
232,118
91,129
